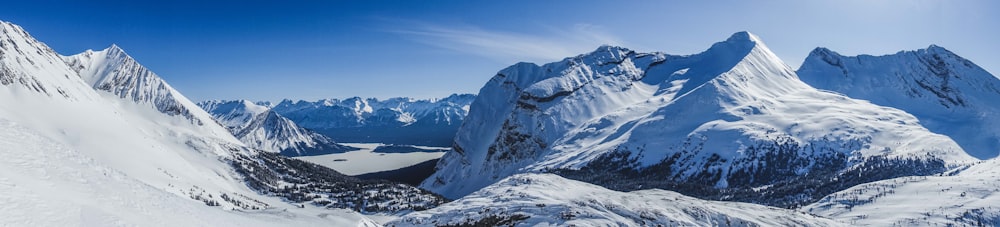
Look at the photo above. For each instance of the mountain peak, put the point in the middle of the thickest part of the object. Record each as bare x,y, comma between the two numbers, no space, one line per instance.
935,49
114,47
114,71
611,49
829,56
116,53
822,51
743,36
740,43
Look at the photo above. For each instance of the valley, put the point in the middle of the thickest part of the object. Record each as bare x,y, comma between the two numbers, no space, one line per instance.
731,135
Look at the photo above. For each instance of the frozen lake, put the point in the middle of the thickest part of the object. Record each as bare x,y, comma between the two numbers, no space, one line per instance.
366,161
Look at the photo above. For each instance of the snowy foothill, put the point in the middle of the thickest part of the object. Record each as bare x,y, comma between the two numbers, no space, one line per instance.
550,200
967,198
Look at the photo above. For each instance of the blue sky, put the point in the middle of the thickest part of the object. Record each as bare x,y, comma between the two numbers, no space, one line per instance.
263,50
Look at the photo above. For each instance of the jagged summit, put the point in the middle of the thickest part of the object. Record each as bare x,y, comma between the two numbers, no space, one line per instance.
114,47
743,36
607,53
114,71
930,49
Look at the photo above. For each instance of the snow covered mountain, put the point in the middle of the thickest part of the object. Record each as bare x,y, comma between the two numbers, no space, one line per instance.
259,127
172,152
114,71
724,124
547,199
947,93
395,120
102,111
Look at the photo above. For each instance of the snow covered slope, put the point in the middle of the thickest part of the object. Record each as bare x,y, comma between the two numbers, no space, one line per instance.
171,152
395,120
124,117
947,93
550,200
36,175
968,198
721,124
259,127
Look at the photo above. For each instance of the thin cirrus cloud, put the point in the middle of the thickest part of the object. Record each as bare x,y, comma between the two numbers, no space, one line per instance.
549,45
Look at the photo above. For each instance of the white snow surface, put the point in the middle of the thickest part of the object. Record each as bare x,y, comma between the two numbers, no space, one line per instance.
736,94
947,93
45,183
550,200
136,131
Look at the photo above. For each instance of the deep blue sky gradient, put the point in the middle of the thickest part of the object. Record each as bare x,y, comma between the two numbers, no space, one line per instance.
269,50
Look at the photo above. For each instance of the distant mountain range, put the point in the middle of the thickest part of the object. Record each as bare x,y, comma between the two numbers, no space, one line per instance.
429,122
260,127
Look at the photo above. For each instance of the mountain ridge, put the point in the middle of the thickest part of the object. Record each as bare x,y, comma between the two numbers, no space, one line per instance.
115,71
949,94
398,120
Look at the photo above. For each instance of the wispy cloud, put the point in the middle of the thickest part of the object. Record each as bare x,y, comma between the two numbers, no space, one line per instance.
552,43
